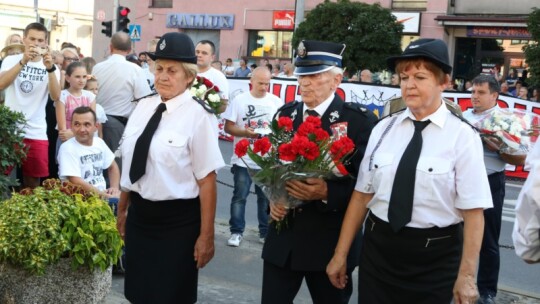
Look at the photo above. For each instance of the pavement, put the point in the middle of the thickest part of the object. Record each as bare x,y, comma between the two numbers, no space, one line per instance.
234,276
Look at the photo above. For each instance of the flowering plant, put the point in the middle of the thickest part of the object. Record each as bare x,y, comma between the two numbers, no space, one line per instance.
204,89
284,155
515,128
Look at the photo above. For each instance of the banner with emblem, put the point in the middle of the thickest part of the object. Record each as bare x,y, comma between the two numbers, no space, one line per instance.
374,97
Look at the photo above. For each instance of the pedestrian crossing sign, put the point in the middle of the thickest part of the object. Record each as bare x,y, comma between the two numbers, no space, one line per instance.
135,32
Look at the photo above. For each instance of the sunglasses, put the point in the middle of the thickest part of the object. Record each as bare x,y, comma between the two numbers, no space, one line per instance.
71,59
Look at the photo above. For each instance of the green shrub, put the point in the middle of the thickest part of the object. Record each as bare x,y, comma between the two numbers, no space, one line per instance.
40,226
11,138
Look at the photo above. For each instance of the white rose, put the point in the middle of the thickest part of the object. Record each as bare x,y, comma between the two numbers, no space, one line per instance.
213,97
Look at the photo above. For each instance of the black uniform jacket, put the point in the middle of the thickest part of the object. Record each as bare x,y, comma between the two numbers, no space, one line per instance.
308,240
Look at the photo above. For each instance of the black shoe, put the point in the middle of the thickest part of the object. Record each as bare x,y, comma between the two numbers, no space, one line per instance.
487,299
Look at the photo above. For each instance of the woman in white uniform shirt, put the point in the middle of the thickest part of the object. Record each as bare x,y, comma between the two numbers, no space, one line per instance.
167,215
434,256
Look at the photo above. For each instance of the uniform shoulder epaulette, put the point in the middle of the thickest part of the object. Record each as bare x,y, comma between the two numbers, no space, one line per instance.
356,107
465,121
205,106
288,105
146,96
391,115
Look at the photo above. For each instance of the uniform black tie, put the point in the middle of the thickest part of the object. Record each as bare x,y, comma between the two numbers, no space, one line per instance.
312,113
401,199
140,154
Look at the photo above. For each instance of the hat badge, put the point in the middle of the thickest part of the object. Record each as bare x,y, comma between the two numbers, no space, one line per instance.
301,50
162,45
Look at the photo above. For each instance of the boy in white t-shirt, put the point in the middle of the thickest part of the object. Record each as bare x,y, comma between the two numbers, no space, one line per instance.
83,158
28,79
249,115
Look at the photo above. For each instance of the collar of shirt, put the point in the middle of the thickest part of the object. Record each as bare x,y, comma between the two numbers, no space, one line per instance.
177,101
117,57
321,108
438,118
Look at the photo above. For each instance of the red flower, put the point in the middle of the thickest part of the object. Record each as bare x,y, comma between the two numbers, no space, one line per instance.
262,145
285,122
341,147
313,120
306,128
321,134
287,152
305,147
241,147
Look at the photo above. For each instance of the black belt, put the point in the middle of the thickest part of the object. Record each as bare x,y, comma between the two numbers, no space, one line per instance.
121,119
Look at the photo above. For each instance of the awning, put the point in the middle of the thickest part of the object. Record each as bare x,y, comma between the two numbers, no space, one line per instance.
482,20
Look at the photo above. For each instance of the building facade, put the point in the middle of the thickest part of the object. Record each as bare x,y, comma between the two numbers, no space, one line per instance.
481,34
67,21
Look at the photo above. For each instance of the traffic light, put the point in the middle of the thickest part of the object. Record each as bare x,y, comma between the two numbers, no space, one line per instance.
107,28
122,19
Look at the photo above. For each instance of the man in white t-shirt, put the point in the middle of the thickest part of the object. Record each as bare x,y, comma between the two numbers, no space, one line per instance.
82,159
249,115
28,79
205,51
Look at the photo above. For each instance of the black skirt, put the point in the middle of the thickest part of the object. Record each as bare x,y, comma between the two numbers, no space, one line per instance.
160,240
412,266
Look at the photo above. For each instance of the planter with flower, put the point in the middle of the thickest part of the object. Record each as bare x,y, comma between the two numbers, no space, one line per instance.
284,155
516,129
57,245
209,93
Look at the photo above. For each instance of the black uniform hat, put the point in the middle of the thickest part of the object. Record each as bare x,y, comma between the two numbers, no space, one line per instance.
434,50
317,56
175,46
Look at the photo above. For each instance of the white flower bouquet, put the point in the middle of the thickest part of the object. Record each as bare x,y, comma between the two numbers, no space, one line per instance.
204,89
515,128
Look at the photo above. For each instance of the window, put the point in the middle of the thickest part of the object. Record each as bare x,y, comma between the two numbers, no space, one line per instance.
270,44
160,3
409,4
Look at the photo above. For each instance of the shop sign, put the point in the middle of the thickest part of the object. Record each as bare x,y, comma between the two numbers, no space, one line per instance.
410,21
498,32
201,21
283,20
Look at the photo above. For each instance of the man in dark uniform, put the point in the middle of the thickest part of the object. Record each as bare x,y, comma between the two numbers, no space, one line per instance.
303,248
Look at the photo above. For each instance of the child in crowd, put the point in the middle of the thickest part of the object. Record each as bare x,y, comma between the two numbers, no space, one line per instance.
92,86
72,97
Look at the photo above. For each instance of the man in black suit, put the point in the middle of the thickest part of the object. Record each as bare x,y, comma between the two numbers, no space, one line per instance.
303,247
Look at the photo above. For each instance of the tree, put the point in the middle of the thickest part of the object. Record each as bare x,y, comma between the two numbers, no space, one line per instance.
370,32
532,51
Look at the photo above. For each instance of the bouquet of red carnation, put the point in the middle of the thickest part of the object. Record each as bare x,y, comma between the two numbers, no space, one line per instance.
284,155
209,93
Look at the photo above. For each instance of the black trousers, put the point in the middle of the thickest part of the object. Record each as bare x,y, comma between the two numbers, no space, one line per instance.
280,286
160,239
490,260
411,266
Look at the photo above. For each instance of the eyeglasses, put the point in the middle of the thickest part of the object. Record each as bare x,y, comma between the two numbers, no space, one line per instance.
71,59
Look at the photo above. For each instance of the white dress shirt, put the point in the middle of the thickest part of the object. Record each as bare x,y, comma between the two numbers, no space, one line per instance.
120,82
450,174
184,149
526,234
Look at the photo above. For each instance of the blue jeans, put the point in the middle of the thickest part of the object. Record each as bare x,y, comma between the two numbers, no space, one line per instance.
489,263
242,184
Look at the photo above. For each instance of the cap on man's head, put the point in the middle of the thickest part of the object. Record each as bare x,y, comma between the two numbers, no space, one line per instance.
434,50
315,57
175,46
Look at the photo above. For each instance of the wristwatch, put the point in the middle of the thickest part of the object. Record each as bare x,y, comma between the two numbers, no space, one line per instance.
51,69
